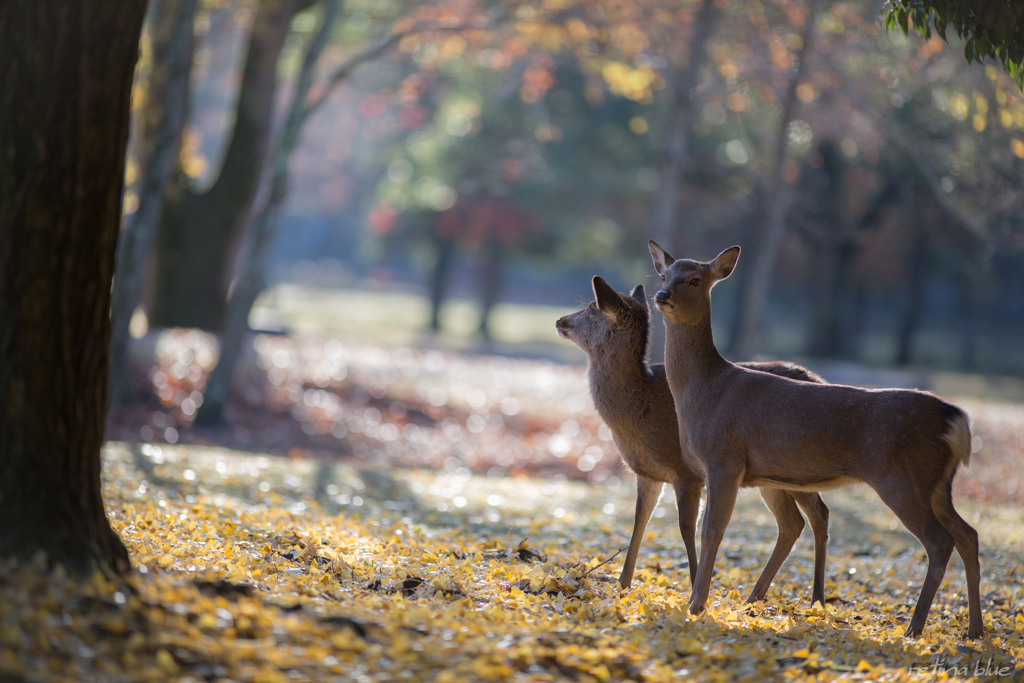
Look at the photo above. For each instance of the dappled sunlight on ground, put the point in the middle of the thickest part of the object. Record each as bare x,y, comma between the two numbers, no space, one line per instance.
261,568
386,406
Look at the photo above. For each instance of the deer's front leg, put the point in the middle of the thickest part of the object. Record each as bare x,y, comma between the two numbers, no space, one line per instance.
722,489
648,492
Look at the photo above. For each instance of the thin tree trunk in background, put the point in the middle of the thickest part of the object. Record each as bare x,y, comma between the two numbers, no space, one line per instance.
665,219
65,92
968,319
439,279
198,230
165,111
918,274
823,338
492,275
823,315
827,340
748,244
250,281
853,322
754,298
665,214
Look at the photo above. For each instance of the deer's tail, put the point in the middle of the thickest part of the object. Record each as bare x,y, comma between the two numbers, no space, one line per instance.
958,438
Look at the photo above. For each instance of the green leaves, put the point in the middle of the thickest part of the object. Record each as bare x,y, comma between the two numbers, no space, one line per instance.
993,29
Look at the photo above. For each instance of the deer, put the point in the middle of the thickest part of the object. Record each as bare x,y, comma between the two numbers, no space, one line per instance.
633,399
745,428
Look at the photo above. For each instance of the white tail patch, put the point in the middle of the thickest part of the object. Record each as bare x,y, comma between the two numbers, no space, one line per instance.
959,439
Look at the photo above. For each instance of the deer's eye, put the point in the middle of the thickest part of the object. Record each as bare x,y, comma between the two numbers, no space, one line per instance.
662,278
590,311
695,282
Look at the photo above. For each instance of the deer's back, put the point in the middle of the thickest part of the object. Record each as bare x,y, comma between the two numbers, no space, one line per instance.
807,434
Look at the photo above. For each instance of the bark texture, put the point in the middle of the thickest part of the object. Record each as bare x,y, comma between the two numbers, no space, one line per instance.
165,117
65,88
198,230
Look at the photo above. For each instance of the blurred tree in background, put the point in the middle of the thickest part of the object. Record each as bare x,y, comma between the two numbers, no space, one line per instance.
861,171
199,228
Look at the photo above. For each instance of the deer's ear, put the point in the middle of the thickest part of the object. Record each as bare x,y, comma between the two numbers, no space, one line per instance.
640,295
724,263
662,259
608,300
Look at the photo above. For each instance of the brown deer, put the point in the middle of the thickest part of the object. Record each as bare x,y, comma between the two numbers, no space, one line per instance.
633,399
747,428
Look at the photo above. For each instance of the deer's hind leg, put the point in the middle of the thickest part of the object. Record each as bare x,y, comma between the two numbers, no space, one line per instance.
966,540
817,514
917,515
790,523
688,507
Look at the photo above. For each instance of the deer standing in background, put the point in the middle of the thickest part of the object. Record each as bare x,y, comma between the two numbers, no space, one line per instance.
633,399
747,428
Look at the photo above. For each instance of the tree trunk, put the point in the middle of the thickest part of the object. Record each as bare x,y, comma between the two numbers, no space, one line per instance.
198,231
754,298
65,90
439,279
665,215
918,274
839,301
823,313
749,244
968,319
492,275
854,321
250,281
165,109
682,81
831,259
828,331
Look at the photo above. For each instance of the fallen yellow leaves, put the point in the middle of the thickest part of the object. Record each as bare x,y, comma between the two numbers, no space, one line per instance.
233,585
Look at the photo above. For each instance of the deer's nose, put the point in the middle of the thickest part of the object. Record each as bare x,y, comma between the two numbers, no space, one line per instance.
661,296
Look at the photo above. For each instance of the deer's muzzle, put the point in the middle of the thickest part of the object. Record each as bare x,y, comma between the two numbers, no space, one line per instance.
662,296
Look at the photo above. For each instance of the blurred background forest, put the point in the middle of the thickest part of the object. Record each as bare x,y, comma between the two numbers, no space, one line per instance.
451,174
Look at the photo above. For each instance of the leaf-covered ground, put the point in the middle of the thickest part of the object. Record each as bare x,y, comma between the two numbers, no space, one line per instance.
434,551
254,568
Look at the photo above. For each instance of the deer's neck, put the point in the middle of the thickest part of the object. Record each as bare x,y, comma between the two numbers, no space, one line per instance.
690,354
615,378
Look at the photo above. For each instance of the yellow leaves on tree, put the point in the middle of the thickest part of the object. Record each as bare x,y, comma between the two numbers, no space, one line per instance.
632,83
